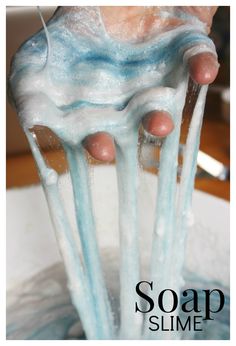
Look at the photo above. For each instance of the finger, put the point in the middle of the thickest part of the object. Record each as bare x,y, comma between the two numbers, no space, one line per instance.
100,146
203,68
204,13
158,123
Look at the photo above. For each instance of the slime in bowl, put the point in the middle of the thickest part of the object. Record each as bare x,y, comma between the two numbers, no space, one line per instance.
76,80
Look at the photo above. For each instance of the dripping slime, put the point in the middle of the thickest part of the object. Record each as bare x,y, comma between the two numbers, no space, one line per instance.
76,80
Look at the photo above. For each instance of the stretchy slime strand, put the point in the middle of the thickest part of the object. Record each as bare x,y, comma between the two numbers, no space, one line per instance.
73,78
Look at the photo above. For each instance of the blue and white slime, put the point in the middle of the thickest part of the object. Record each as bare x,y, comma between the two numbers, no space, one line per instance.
76,80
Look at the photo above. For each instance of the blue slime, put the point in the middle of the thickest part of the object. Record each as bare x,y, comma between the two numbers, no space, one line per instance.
76,80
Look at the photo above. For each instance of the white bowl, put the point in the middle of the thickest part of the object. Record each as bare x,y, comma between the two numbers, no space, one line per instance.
33,259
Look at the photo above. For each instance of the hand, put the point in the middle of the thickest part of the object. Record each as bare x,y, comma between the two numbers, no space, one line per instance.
138,22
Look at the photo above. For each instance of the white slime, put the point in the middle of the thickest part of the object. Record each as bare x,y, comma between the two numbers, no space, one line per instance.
74,79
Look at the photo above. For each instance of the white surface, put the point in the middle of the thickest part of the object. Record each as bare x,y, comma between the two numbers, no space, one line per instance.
31,244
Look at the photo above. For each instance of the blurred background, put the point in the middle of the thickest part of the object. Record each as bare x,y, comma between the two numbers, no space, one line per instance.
22,22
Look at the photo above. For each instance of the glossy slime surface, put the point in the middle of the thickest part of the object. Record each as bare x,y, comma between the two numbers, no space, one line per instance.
73,78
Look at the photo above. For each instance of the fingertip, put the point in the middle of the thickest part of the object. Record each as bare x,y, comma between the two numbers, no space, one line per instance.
158,123
203,68
100,146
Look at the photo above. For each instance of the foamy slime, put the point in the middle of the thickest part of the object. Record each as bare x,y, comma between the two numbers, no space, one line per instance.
75,79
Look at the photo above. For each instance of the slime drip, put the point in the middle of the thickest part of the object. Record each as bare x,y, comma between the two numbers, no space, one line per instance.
73,78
